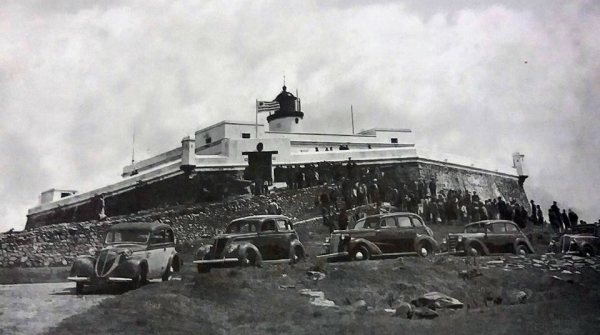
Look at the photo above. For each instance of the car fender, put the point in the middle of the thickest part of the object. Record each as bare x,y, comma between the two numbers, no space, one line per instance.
421,238
83,266
203,251
178,264
581,245
131,267
243,247
373,249
472,241
296,243
520,240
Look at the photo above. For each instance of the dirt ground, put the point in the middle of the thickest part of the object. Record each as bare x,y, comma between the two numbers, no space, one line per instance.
268,300
539,294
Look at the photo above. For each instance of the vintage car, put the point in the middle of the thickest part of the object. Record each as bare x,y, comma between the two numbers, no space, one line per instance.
488,237
583,240
250,241
134,253
380,236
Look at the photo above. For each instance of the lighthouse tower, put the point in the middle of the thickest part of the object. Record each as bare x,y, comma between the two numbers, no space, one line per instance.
287,118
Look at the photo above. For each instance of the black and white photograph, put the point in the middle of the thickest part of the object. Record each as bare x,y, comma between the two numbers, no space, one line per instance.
299,167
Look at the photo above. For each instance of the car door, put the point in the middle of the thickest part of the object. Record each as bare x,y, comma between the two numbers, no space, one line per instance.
406,234
386,235
269,240
156,253
512,233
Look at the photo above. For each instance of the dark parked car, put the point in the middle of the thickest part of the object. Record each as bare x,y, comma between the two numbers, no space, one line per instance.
134,252
251,241
488,237
381,235
581,239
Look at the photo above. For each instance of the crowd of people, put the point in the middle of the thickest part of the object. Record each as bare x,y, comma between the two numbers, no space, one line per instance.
352,186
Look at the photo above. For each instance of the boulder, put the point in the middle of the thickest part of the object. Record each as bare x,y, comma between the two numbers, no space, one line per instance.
437,300
404,310
424,313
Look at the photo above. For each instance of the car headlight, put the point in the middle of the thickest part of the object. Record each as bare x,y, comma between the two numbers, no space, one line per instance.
460,239
327,239
231,248
204,249
128,252
444,241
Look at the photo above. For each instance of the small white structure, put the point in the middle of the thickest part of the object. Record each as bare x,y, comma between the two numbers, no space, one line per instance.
55,194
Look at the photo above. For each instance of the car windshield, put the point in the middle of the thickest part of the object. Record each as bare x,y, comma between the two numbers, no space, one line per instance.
359,224
474,229
241,227
134,236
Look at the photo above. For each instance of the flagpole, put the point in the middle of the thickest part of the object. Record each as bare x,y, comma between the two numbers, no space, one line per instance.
352,115
256,123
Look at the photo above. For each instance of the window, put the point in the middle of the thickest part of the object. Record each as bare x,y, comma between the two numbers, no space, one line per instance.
417,223
127,236
394,140
404,222
371,222
169,236
360,224
268,226
499,228
208,140
158,237
283,225
62,195
388,223
245,135
511,228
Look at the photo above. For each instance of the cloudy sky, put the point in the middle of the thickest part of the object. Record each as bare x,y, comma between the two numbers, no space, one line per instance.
476,78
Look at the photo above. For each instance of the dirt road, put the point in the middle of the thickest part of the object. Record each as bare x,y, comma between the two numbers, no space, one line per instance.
33,308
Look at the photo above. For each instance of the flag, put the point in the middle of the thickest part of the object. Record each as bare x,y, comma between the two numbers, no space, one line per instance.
266,106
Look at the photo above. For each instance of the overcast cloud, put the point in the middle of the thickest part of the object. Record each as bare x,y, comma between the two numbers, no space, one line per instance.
479,79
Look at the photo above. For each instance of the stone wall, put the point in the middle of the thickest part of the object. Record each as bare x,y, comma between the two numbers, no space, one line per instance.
204,187
60,244
51,244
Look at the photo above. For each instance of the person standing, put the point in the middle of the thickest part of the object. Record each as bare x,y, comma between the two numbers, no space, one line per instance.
573,217
343,220
565,219
540,215
433,188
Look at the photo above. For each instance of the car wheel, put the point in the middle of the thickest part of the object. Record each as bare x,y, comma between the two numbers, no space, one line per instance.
203,268
168,275
360,253
521,250
298,255
78,288
425,249
474,250
587,251
140,280
249,258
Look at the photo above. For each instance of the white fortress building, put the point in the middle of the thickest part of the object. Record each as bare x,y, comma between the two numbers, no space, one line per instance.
242,146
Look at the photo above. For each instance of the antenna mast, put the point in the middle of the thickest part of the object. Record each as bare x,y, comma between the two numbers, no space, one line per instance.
133,148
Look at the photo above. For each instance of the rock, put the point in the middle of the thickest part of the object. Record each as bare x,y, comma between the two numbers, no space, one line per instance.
315,275
360,306
567,272
424,313
436,300
404,310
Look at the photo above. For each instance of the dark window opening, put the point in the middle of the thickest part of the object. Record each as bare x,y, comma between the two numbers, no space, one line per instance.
245,135
316,148
296,120
369,146
394,140
208,140
62,195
